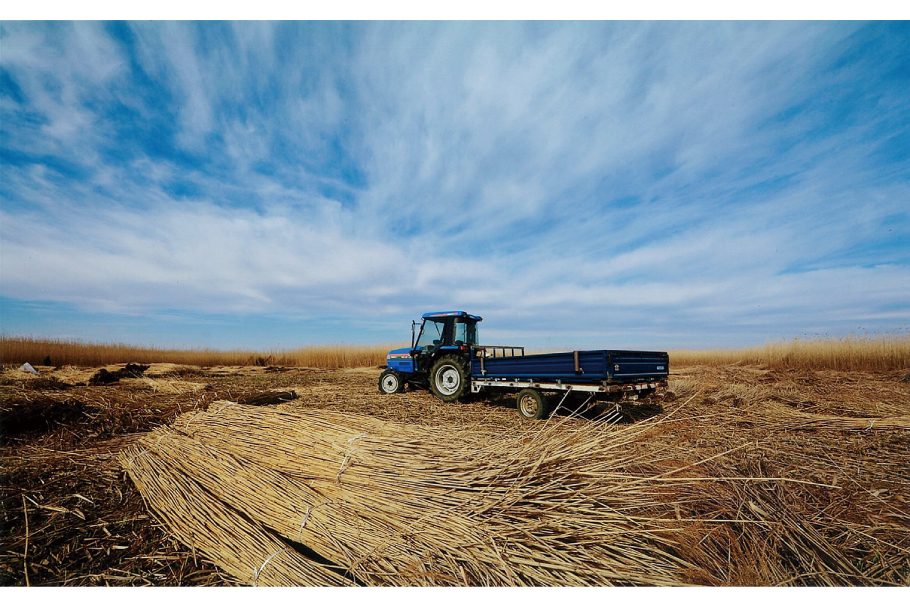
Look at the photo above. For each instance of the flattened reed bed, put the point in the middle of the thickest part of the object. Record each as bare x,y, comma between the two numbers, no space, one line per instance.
813,426
86,526
852,494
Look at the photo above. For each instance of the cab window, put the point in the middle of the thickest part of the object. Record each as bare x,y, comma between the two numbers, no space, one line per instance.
465,332
431,333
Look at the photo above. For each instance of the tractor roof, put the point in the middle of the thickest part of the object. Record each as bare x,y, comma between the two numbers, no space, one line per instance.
457,313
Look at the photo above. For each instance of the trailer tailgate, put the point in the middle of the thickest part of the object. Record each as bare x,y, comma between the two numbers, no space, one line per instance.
632,365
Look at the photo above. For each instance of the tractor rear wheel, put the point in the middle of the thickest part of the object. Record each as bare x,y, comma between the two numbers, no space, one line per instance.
391,382
448,379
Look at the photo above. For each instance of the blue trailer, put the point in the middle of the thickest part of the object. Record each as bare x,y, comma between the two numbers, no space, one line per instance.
446,357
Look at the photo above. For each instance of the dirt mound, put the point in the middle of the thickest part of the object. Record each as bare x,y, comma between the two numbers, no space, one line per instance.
104,377
38,416
269,397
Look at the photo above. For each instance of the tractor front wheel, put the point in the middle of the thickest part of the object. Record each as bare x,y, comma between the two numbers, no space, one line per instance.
448,379
391,382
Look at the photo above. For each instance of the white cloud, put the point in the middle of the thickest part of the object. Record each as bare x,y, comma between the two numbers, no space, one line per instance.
599,175
217,260
59,71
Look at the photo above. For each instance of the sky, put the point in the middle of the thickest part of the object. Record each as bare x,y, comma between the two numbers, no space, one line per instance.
577,184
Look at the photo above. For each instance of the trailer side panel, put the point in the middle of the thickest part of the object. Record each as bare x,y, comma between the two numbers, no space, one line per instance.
578,366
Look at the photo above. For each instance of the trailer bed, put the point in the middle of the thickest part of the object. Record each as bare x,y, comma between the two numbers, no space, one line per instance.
578,367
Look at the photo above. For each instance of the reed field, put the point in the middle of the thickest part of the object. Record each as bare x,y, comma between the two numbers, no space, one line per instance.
772,466
19,350
849,353
852,352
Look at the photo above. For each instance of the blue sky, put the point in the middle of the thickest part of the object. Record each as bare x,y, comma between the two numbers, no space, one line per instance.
577,184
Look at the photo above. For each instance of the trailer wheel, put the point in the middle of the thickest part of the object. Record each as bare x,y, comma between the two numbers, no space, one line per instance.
448,379
531,404
391,382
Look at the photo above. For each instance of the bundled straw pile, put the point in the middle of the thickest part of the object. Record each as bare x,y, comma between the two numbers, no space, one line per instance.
317,497
798,420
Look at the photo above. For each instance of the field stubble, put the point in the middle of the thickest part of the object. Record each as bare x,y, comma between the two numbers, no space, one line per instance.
758,476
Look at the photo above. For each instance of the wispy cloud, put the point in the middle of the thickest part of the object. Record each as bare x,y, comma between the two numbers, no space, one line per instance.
678,183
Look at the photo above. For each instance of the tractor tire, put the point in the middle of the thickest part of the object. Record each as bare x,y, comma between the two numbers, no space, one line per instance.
391,382
531,404
449,379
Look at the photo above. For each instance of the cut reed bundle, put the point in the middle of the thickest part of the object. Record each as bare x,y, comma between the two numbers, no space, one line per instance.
781,411
386,504
797,420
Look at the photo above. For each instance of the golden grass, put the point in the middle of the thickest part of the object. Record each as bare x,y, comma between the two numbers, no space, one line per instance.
18,350
850,353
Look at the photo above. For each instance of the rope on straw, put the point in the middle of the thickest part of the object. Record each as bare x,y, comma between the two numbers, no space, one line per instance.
256,572
223,407
306,517
347,456
130,463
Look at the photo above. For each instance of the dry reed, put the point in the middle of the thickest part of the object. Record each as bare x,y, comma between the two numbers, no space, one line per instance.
843,435
850,353
17,350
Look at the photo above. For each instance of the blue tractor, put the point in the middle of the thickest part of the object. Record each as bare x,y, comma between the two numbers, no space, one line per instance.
439,357
445,357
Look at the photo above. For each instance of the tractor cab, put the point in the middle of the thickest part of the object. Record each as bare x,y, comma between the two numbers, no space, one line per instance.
446,330
441,334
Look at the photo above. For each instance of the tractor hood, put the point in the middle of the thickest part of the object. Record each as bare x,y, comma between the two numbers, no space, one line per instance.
400,360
